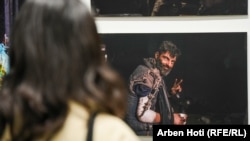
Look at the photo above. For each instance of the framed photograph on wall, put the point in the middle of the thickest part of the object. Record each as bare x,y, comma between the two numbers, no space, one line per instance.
135,8
122,38
213,67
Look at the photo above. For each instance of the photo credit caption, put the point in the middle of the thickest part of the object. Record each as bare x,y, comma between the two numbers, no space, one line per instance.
207,132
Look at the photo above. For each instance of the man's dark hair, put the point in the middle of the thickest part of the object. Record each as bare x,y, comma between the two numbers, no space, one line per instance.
170,47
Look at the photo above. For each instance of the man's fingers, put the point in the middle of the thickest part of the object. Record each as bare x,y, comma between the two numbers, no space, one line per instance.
178,83
175,82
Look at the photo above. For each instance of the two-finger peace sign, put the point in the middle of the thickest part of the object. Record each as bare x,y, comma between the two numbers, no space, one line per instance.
177,86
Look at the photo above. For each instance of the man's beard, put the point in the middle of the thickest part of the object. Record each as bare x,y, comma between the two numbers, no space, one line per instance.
159,65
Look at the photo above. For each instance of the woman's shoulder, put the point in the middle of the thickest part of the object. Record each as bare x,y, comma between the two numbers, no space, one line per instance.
112,128
6,134
106,126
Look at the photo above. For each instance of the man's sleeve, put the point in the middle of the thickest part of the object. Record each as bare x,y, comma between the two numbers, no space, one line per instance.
144,115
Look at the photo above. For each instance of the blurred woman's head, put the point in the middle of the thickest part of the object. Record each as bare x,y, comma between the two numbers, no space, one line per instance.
55,56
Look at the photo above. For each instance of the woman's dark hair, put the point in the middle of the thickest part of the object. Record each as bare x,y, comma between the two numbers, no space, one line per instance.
55,57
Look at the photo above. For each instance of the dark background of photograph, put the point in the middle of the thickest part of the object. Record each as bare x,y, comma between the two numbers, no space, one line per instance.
212,65
171,8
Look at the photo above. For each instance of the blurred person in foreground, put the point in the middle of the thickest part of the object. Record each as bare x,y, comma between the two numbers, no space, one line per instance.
58,78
